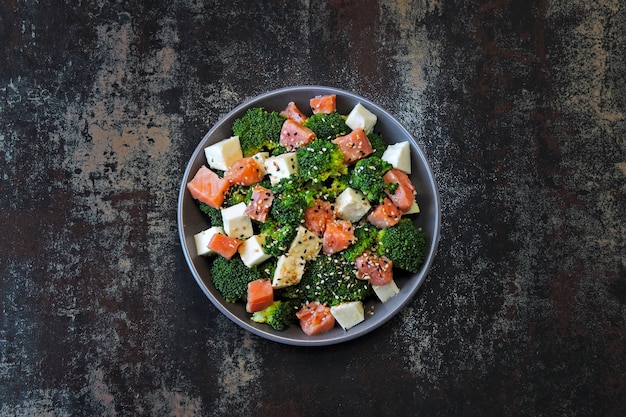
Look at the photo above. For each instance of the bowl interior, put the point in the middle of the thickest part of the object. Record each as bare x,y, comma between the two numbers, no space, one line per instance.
191,220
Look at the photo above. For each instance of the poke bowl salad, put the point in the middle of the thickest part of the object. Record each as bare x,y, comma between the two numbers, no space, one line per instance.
309,215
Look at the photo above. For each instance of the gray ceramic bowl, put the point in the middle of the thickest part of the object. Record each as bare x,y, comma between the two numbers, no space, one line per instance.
191,221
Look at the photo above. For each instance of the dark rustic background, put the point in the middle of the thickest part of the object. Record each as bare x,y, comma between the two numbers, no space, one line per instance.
519,105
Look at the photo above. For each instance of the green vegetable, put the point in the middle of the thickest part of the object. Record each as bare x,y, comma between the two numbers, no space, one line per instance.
378,144
332,187
237,194
279,315
331,280
320,160
278,237
327,126
231,277
214,215
367,177
292,197
258,130
404,244
280,149
366,238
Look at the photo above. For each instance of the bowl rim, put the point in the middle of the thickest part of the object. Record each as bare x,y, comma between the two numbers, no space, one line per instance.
418,278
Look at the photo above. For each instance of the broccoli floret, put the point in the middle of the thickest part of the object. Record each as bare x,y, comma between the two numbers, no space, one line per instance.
320,160
366,237
231,277
258,130
343,286
278,237
367,177
265,183
378,144
333,187
237,194
327,126
279,150
214,215
280,314
404,244
291,199
267,268
292,293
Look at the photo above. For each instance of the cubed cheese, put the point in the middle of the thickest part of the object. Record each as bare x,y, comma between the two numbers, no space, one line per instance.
237,223
251,251
399,156
385,292
348,314
260,158
281,166
360,117
414,209
351,205
306,244
203,238
289,270
223,154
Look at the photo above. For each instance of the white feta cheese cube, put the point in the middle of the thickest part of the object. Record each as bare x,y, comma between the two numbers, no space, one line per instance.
203,238
399,156
306,244
281,166
360,117
385,292
289,270
260,158
414,209
351,205
237,223
348,314
251,251
223,154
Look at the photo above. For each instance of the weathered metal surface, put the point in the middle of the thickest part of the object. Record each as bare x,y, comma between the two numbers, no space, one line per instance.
519,106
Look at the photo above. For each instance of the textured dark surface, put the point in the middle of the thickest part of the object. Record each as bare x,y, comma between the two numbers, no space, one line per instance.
520,106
